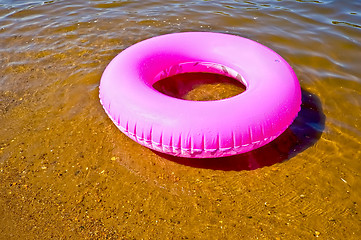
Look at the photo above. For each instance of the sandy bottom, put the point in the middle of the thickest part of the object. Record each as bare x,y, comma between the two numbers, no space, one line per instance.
66,172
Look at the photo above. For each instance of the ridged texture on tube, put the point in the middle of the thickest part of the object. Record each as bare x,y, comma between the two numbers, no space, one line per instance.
200,129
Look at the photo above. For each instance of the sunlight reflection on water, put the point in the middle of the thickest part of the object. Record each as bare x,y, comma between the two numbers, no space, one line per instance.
67,172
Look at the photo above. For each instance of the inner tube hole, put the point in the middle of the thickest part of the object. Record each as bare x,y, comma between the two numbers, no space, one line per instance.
199,82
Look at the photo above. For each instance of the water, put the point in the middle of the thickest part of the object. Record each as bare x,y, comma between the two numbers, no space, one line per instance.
67,172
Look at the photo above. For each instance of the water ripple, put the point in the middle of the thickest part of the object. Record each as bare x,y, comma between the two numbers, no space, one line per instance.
51,58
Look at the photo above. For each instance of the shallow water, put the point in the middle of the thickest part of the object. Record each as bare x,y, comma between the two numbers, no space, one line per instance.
67,172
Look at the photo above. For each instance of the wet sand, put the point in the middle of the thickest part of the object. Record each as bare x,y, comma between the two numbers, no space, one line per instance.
67,172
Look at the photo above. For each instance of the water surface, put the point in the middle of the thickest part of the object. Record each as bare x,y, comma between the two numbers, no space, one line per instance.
67,172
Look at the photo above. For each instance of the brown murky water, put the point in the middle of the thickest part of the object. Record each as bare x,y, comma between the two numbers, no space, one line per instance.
67,172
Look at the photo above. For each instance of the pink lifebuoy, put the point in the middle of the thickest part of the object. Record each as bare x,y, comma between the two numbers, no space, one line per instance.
200,129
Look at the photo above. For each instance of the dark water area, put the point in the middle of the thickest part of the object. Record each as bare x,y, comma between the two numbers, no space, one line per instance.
67,172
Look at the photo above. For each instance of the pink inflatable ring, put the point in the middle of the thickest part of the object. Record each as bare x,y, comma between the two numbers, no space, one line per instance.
200,129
